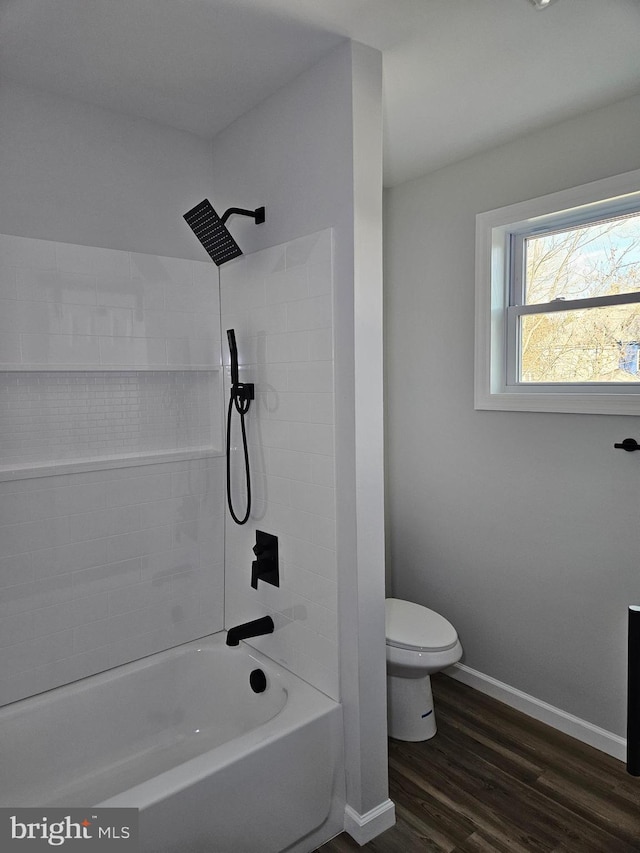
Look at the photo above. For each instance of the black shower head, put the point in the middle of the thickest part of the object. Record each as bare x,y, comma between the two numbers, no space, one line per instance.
212,232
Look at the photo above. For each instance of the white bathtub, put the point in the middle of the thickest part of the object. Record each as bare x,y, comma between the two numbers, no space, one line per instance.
212,766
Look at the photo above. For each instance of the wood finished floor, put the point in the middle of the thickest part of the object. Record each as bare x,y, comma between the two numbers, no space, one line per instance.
495,781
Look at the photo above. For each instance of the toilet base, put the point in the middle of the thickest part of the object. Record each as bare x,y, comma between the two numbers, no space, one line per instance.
410,713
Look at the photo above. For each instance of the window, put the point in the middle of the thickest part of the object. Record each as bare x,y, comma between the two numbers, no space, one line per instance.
558,301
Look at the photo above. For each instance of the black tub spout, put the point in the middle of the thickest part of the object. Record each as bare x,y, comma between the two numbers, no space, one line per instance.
250,629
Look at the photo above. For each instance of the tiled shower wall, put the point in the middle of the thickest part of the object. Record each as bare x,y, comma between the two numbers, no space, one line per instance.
103,567
279,301
77,307
108,357
81,415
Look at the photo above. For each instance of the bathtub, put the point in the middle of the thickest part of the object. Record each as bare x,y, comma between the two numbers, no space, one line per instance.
213,766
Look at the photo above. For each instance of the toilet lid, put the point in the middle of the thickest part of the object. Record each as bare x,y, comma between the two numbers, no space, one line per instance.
412,626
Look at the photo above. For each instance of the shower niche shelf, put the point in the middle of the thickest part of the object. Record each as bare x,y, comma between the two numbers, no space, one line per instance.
62,421
107,368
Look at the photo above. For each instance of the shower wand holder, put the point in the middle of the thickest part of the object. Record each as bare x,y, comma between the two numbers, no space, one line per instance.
243,392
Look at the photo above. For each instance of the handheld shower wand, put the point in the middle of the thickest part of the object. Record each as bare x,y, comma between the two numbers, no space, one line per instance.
242,393
212,232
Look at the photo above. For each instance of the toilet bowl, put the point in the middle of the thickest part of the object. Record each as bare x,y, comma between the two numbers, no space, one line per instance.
419,643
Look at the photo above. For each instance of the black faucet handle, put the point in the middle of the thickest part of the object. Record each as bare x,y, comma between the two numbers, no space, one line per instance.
264,570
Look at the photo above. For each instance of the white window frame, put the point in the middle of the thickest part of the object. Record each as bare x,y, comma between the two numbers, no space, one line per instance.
496,231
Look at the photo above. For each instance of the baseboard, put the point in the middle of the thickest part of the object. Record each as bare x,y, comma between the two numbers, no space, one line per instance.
556,718
364,827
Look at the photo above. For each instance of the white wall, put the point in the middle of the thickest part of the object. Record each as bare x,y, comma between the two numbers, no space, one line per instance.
520,528
77,173
299,154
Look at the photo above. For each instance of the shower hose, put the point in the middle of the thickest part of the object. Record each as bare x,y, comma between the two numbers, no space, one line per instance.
241,404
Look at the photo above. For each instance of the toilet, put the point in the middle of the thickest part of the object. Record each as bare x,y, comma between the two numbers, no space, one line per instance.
419,643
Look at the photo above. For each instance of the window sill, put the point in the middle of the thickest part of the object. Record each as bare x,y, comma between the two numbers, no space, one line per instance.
570,403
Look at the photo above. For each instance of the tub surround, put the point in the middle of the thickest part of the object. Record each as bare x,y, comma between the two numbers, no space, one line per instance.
104,567
84,420
279,301
111,479
71,307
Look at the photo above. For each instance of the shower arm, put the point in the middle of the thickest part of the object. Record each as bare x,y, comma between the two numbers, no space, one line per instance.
258,214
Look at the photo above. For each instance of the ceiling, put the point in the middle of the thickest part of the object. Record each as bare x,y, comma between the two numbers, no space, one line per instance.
459,75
